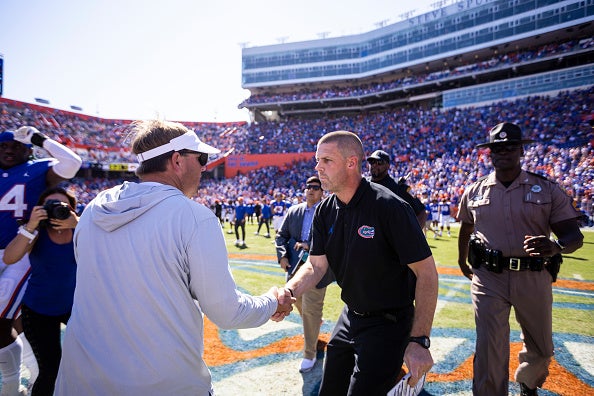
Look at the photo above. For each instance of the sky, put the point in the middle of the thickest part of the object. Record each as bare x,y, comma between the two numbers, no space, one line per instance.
178,60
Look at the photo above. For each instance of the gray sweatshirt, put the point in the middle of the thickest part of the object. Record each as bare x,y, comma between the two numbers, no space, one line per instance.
150,263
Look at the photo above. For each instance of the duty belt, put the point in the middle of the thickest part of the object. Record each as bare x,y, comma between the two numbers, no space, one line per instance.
523,263
493,260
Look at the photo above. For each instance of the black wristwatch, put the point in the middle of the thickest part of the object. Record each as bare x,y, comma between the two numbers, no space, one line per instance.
560,244
423,341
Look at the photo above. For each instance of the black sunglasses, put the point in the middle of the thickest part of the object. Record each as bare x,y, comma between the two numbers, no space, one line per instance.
505,148
374,161
314,187
202,157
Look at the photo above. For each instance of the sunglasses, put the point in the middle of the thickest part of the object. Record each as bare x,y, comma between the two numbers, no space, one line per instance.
314,187
505,148
202,157
374,161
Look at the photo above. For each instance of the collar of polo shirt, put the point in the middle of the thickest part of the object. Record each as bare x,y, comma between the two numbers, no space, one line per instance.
187,141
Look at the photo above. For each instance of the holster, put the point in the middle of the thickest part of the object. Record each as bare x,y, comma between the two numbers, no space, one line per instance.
479,255
554,265
476,251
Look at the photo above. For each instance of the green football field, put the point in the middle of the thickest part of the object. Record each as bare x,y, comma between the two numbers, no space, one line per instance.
255,269
248,361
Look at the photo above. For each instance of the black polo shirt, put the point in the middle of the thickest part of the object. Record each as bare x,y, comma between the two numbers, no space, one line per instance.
368,244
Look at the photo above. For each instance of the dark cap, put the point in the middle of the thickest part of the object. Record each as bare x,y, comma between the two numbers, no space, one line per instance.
503,134
379,155
313,179
8,136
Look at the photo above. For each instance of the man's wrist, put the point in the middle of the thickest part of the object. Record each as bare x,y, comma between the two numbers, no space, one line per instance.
423,341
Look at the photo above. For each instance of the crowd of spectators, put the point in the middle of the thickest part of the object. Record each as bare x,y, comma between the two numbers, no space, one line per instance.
497,61
435,148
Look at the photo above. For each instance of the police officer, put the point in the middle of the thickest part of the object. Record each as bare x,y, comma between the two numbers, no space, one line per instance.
512,213
379,164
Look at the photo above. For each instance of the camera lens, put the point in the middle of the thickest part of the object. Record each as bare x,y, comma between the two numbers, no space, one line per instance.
61,212
56,209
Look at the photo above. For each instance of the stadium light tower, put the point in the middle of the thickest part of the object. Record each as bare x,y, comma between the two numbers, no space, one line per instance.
381,23
281,40
244,44
323,35
407,14
438,4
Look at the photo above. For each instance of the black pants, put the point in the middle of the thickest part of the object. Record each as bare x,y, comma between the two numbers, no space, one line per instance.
44,334
365,354
238,225
264,221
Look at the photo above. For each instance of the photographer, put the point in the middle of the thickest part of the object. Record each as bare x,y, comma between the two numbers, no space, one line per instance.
47,302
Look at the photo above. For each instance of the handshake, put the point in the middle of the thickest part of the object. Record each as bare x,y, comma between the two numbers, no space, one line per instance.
285,303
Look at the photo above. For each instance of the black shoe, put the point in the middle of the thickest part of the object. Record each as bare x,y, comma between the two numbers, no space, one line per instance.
525,391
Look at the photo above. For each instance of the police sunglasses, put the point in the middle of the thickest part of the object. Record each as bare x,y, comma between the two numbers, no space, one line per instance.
507,148
202,157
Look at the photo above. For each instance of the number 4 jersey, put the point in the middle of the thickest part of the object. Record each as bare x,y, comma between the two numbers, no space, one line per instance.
20,188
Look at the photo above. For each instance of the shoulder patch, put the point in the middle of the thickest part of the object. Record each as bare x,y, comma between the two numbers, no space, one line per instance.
540,176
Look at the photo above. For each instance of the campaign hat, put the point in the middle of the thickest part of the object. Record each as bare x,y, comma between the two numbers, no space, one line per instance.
503,134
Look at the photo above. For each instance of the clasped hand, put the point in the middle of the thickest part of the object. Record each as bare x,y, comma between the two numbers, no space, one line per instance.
285,303
540,246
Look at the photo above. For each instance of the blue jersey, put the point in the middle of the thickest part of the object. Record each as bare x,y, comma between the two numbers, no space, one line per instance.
266,211
278,208
444,209
240,212
20,188
429,212
434,210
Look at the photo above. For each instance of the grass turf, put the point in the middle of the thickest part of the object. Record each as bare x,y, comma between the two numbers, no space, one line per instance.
255,270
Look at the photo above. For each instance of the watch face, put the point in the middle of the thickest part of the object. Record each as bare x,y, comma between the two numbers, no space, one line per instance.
423,341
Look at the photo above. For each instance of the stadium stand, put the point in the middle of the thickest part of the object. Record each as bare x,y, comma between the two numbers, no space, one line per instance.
425,89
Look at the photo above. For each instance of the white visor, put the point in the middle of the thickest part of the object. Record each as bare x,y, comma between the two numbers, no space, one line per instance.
187,141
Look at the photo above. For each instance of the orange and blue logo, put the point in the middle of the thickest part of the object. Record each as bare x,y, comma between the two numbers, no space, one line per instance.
366,231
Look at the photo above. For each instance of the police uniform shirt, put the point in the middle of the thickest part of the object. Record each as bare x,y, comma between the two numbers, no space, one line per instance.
368,244
503,216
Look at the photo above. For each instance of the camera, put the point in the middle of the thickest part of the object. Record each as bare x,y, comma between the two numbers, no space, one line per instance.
56,209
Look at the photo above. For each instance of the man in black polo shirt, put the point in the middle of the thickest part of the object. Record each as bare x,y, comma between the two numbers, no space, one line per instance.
369,238
379,164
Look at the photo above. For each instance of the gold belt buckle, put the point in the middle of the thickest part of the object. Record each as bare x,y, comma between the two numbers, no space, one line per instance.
514,264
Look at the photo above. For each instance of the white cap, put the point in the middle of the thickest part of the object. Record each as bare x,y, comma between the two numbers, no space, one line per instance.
187,141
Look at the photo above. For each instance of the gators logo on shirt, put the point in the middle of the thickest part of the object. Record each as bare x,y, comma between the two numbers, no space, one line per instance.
366,231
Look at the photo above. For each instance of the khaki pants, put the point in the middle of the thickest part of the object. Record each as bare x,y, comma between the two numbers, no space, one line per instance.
310,306
493,295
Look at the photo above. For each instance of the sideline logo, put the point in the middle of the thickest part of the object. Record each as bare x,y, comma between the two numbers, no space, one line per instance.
366,231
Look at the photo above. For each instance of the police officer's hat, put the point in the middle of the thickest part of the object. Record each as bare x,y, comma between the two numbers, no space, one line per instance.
503,134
